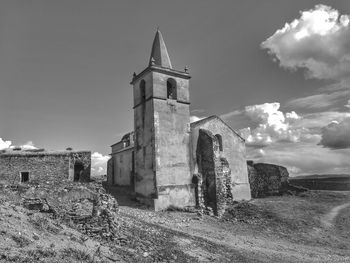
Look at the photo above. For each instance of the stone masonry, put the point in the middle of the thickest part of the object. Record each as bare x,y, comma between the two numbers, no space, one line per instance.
267,179
41,166
160,163
214,177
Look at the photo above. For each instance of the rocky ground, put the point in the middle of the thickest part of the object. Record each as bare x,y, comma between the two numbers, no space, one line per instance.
306,228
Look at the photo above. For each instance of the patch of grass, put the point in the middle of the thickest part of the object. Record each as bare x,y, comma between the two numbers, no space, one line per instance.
249,213
76,254
40,253
33,256
328,197
9,196
21,240
42,223
278,214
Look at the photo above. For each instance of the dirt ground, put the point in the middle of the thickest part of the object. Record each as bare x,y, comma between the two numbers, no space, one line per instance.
313,227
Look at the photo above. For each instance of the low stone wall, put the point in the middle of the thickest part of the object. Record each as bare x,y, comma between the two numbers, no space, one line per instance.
267,179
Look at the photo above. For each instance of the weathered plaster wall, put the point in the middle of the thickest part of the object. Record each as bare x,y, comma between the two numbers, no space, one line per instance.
233,151
172,143
125,142
41,167
123,167
117,147
159,88
172,139
162,156
145,182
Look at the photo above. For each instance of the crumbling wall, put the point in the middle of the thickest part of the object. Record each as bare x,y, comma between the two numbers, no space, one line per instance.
42,167
213,181
123,167
267,179
233,149
84,158
145,179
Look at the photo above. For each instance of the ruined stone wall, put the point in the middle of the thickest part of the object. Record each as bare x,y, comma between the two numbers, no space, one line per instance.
233,150
214,174
43,167
84,158
267,179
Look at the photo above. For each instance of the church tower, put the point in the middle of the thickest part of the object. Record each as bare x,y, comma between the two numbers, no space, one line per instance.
162,132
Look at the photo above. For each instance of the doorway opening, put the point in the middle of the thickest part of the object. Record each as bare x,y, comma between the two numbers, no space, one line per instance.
24,177
78,171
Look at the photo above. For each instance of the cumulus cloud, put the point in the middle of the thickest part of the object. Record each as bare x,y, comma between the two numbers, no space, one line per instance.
318,41
290,139
99,163
28,146
336,135
268,125
4,144
8,145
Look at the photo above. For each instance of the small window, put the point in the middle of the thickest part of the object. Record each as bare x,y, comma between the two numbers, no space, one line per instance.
219,137
171,89
143,90
24,177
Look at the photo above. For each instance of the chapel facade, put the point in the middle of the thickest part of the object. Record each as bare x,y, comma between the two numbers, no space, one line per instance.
168,161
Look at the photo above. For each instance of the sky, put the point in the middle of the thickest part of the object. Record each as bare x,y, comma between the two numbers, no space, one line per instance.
276,71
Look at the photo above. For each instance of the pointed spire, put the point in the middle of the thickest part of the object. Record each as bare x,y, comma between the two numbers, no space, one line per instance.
159,53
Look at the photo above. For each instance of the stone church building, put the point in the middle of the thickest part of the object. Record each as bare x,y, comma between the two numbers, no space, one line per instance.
168,161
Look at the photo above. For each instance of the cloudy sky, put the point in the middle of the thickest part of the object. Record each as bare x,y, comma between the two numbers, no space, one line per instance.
276,71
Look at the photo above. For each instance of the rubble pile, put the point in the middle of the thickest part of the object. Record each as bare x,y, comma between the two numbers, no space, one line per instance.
86,207
95,218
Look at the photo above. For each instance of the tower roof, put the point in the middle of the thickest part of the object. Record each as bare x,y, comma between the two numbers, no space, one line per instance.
159,53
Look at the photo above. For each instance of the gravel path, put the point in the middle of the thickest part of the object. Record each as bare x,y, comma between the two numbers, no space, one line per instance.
327,219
